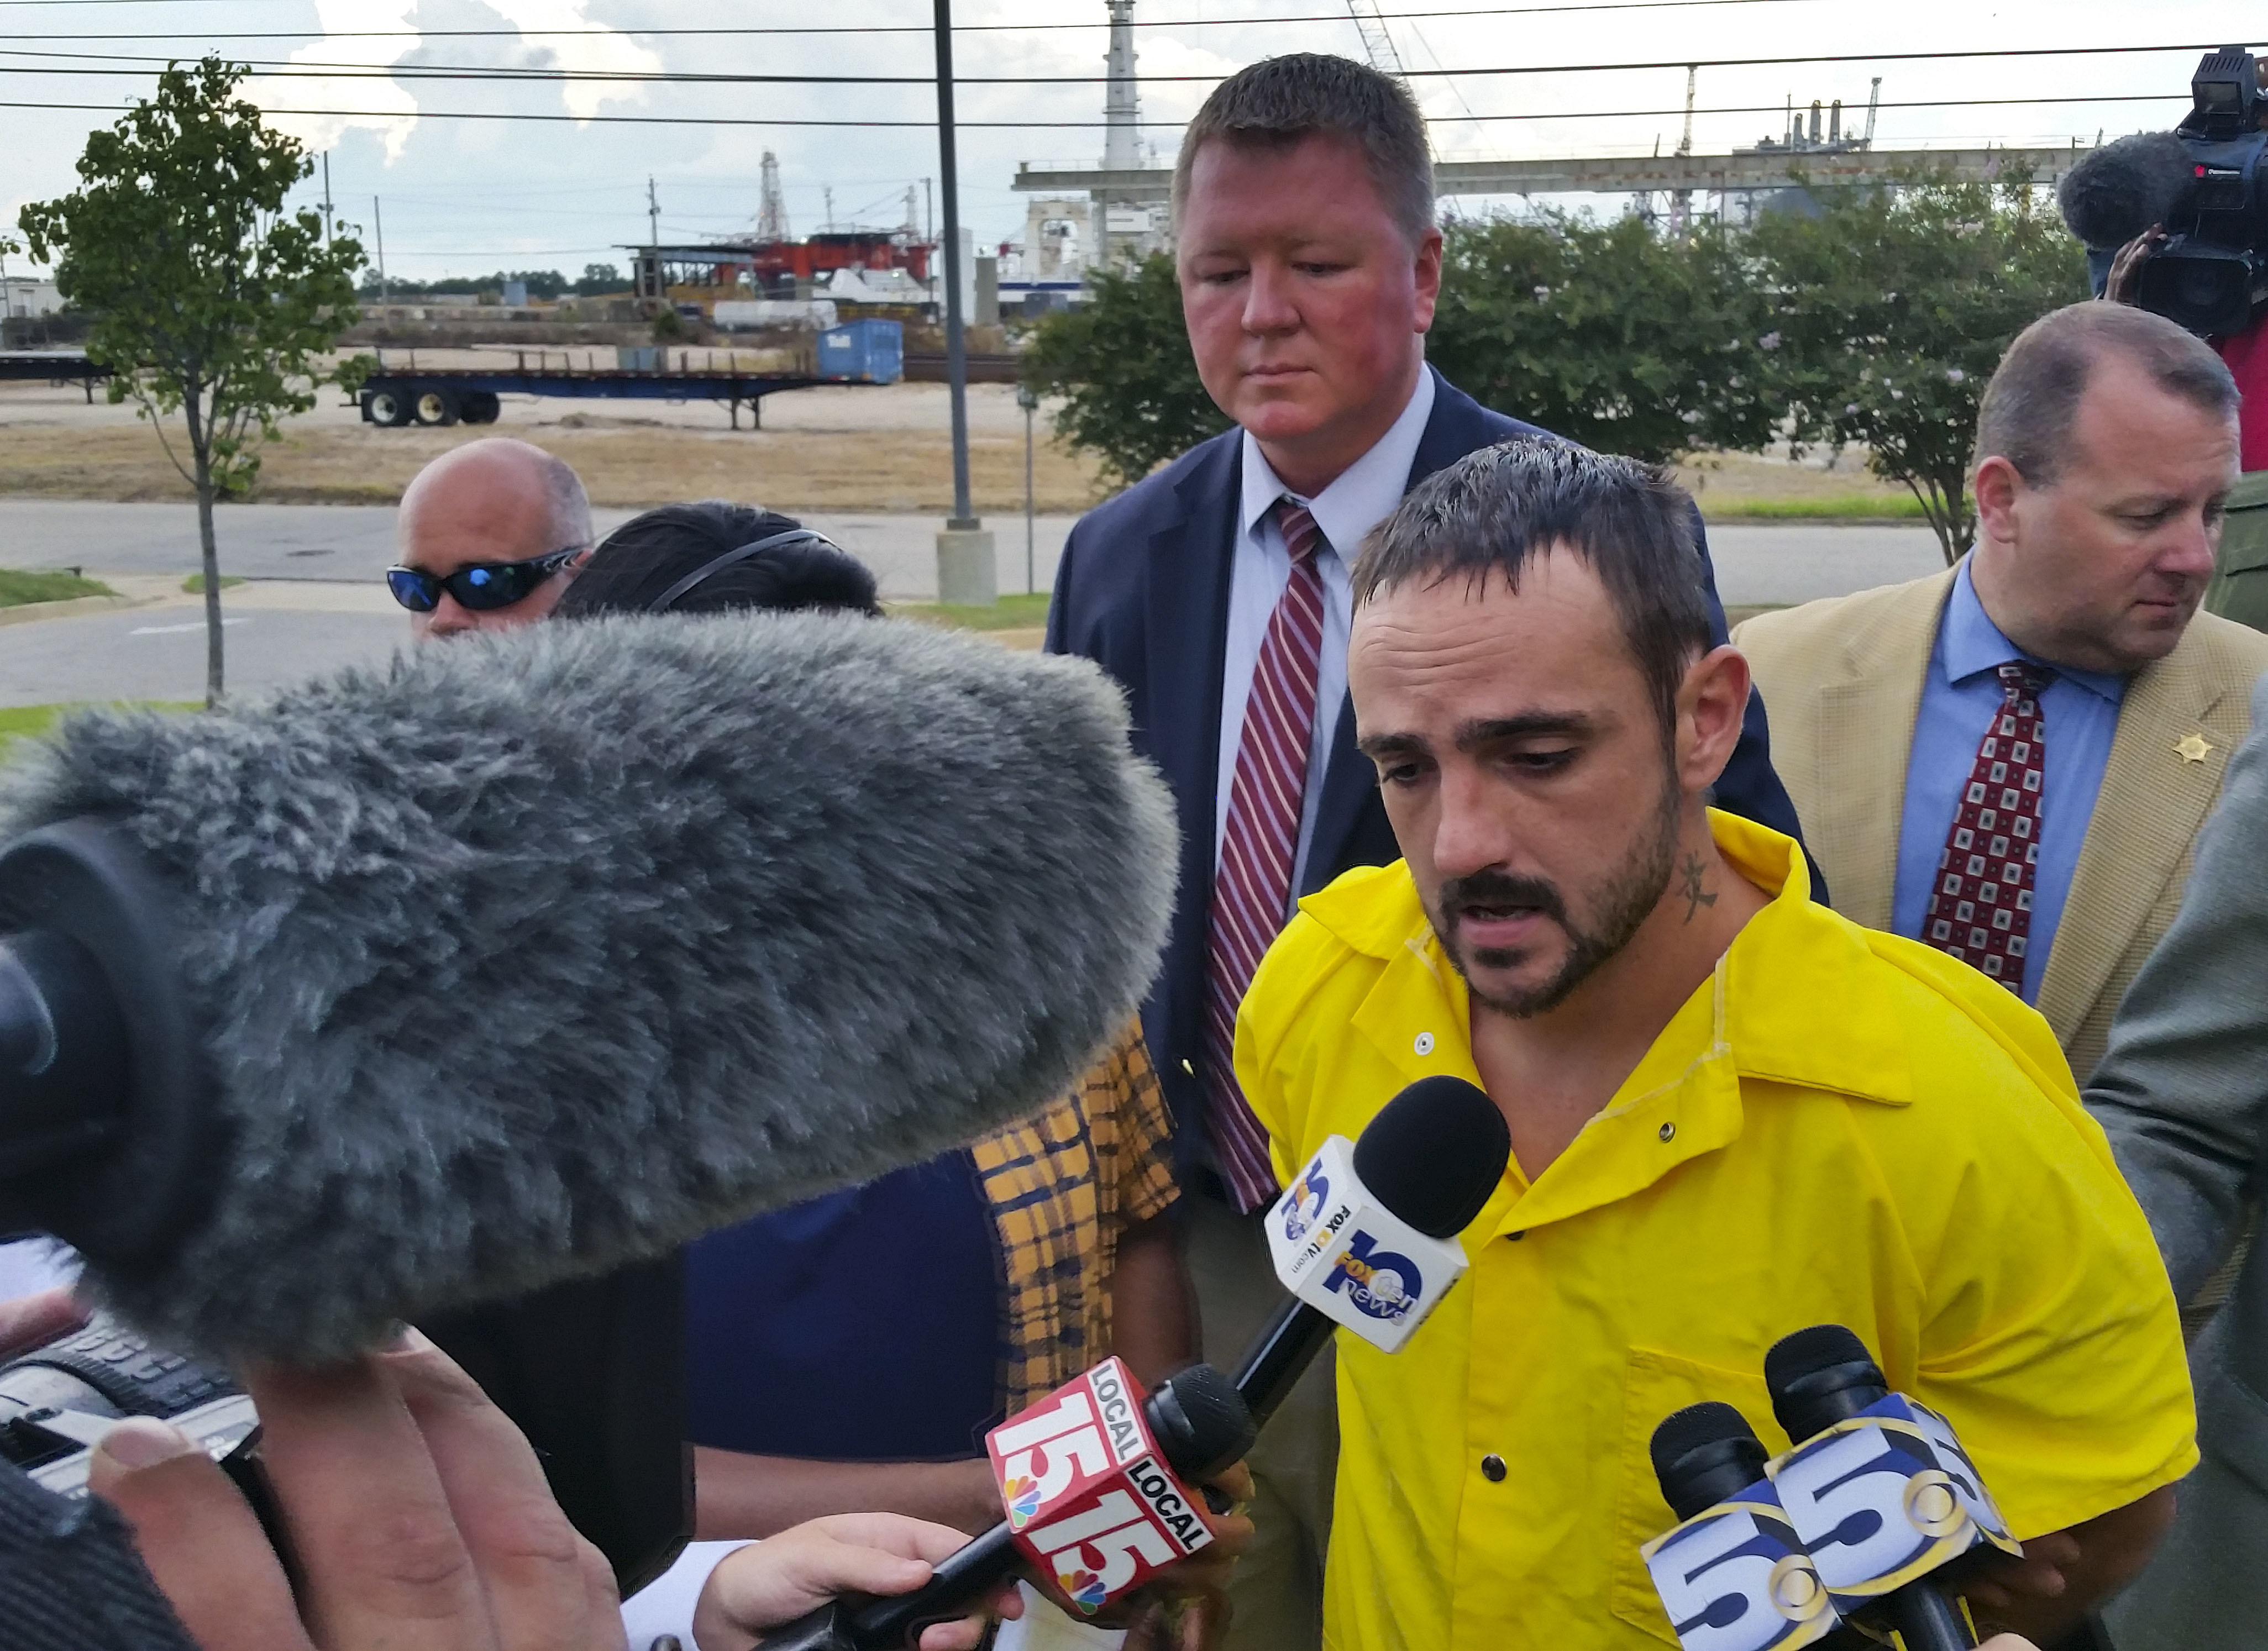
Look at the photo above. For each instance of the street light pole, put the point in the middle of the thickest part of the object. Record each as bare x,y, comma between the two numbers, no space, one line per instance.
1027,398
965,570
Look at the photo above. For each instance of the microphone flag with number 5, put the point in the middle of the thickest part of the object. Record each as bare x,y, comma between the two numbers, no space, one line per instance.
1877,1485
1733,1574
1089,1496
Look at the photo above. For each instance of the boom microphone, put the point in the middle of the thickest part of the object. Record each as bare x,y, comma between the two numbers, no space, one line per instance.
2114,193
542,951
1421,1172
1878,1488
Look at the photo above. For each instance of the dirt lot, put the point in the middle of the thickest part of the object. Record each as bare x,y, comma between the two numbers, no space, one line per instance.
826,449
832,448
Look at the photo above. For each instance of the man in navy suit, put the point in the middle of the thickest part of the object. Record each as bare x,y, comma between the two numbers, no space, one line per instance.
1216,591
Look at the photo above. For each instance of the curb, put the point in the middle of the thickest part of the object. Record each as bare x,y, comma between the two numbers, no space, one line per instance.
70,608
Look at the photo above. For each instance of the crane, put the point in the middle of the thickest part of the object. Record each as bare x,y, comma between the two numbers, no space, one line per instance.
1377,44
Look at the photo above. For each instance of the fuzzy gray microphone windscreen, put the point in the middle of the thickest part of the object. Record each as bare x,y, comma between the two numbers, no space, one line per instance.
539,952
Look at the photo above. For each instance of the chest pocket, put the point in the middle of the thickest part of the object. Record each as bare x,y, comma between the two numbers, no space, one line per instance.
1655,1385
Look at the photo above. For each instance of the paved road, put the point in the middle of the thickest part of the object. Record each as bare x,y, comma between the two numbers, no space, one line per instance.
355,542
326,605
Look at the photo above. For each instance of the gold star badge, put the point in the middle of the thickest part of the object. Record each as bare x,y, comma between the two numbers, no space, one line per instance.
2192,747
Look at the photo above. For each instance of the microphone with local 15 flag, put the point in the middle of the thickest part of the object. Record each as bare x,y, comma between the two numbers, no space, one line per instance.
1095,1477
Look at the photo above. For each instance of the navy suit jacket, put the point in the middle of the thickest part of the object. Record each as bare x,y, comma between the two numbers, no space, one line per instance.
1142,590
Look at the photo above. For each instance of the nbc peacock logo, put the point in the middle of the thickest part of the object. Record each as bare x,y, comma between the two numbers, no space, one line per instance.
1084,1588
1021,1495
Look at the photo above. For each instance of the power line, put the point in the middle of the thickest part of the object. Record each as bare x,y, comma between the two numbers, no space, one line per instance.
919,28
382,115
286,69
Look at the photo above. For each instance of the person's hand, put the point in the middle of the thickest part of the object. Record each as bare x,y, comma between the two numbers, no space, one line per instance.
760,1587
2124,285
2006,1585
33,1321
1184,1607
415,1512
2007,1642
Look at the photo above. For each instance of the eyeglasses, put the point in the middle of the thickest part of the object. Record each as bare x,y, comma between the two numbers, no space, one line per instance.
481,587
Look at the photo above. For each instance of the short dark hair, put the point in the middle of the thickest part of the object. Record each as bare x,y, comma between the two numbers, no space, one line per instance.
1278,101
1487,514
2033,400
647,555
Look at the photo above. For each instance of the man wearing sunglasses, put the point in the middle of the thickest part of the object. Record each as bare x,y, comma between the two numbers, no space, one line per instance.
491,533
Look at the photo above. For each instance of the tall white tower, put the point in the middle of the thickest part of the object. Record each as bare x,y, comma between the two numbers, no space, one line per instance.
1122,110
771,214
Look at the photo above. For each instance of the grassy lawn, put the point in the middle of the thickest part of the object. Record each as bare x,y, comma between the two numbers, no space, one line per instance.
1016,612
18,588
25,721
195,585
1855,506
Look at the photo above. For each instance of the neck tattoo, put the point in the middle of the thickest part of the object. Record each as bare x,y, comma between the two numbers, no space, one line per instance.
1690,885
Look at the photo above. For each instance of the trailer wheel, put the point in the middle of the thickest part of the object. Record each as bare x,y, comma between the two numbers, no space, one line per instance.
389,408
436,406
480,406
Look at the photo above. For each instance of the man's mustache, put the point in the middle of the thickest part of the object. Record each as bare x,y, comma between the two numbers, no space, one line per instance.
1500,889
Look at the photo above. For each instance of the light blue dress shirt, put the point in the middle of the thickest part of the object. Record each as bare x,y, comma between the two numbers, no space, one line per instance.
1960,697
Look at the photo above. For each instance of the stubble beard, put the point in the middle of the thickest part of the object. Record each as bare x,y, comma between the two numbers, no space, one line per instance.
1623,900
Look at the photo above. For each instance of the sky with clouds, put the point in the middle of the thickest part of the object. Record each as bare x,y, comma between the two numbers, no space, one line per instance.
368,82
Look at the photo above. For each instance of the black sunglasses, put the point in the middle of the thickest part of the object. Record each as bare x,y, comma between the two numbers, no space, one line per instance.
481,587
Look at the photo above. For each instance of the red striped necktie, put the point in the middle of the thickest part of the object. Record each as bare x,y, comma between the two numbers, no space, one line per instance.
1252,891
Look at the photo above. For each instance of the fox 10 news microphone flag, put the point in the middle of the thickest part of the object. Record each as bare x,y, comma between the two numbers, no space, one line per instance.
1733,1574
1878,1489
1340,1249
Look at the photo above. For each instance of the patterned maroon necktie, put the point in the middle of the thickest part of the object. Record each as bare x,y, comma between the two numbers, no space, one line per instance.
1981,910
1252,892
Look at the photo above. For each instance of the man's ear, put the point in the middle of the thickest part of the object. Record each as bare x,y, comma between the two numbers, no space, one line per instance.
1999,485
1712,704
1429,278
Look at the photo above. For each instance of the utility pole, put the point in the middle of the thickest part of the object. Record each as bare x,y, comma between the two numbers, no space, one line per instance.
965,569
327,198
826,194
377,222
1029,398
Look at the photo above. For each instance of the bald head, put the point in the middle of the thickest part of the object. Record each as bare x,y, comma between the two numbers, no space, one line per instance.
490,501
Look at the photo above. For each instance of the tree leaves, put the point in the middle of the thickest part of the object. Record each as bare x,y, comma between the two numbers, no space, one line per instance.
209,301
1122,362
1896,306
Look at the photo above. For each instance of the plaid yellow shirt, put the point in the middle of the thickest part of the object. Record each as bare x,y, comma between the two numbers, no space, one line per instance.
1062,1188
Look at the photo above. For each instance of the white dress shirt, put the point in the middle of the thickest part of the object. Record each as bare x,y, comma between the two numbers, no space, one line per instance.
1363,495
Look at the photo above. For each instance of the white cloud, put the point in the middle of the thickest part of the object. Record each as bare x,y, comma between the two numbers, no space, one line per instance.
383,106
609,52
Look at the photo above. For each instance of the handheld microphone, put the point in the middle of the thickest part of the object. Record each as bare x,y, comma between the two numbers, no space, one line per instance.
1095,1504
1733,1574
1367,1235
1877,1488
544,951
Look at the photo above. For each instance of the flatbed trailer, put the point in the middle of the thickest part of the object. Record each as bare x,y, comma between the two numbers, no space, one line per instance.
51,366
470,395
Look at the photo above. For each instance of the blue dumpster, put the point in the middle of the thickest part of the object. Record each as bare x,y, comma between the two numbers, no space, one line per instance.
863,352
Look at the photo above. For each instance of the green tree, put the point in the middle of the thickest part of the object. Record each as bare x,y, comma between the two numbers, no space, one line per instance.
1624,336
1122,363
210,301
1893,307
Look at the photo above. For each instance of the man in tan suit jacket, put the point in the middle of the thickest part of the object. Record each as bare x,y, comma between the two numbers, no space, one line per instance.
2107,444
